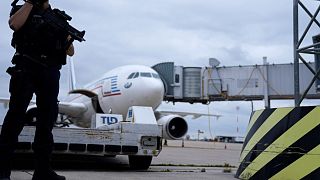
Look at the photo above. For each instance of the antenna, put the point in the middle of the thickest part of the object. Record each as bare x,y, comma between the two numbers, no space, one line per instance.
72,76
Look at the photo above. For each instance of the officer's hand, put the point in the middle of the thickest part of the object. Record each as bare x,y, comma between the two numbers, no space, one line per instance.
70,50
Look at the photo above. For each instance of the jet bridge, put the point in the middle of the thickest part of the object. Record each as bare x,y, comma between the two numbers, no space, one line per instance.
233,83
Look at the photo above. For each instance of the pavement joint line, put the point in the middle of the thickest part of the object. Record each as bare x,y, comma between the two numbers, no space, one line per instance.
220,149
195,165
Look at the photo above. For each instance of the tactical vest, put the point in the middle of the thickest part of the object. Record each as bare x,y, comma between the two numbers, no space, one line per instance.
39,41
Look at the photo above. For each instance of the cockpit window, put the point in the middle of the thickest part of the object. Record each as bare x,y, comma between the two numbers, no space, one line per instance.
136,75
155,75
145,74
131,75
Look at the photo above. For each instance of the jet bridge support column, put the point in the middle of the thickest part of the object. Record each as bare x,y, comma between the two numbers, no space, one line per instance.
266,85
295,52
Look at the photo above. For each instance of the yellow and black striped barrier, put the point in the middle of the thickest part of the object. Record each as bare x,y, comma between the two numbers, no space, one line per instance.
282,144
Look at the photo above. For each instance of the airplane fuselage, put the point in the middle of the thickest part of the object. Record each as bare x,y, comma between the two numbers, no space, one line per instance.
119,89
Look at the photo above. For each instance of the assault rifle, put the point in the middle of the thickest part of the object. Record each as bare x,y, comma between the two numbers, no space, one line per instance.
59,20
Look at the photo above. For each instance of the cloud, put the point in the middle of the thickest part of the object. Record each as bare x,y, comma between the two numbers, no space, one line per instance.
187,32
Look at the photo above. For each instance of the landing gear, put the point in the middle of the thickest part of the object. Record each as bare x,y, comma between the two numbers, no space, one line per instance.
31,117
32,114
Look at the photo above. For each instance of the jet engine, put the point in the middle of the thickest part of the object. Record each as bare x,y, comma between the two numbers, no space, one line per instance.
174,126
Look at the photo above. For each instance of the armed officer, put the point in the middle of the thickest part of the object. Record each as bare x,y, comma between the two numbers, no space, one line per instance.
40,52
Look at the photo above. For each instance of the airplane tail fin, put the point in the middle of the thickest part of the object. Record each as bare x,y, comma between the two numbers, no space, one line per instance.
72,77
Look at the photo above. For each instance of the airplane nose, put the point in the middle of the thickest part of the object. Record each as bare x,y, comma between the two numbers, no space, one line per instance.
153,92
156,87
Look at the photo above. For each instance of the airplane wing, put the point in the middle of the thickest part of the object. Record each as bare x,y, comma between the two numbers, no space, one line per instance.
183,114
5,102
72,109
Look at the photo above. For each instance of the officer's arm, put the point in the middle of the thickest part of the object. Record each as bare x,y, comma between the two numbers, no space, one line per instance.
18,19
70,50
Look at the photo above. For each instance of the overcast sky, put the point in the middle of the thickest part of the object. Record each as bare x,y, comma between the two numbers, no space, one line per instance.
187,32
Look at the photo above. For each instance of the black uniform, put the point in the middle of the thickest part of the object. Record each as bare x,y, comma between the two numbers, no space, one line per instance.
40,53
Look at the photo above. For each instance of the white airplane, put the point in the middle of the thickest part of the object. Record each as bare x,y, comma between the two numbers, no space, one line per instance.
115,92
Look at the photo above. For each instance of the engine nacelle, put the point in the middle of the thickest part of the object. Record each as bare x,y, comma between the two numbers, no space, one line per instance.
174,126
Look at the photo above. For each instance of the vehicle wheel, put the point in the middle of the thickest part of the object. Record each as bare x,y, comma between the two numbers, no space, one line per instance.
140,162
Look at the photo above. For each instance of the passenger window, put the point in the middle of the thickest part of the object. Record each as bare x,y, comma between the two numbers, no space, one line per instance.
145,74
136,75
131,75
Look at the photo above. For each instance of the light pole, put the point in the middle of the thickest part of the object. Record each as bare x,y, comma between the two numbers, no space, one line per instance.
199,132
237,108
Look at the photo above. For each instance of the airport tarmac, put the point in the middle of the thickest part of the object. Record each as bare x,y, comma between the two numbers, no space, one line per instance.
196,160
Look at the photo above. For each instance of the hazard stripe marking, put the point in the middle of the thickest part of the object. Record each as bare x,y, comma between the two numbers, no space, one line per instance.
290,154
256,125
275,117
253,119
302,167
302,127
295,151
286,123
301,147
313,175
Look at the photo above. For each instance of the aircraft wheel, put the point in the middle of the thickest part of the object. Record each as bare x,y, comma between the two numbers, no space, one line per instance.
140,162
31,117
